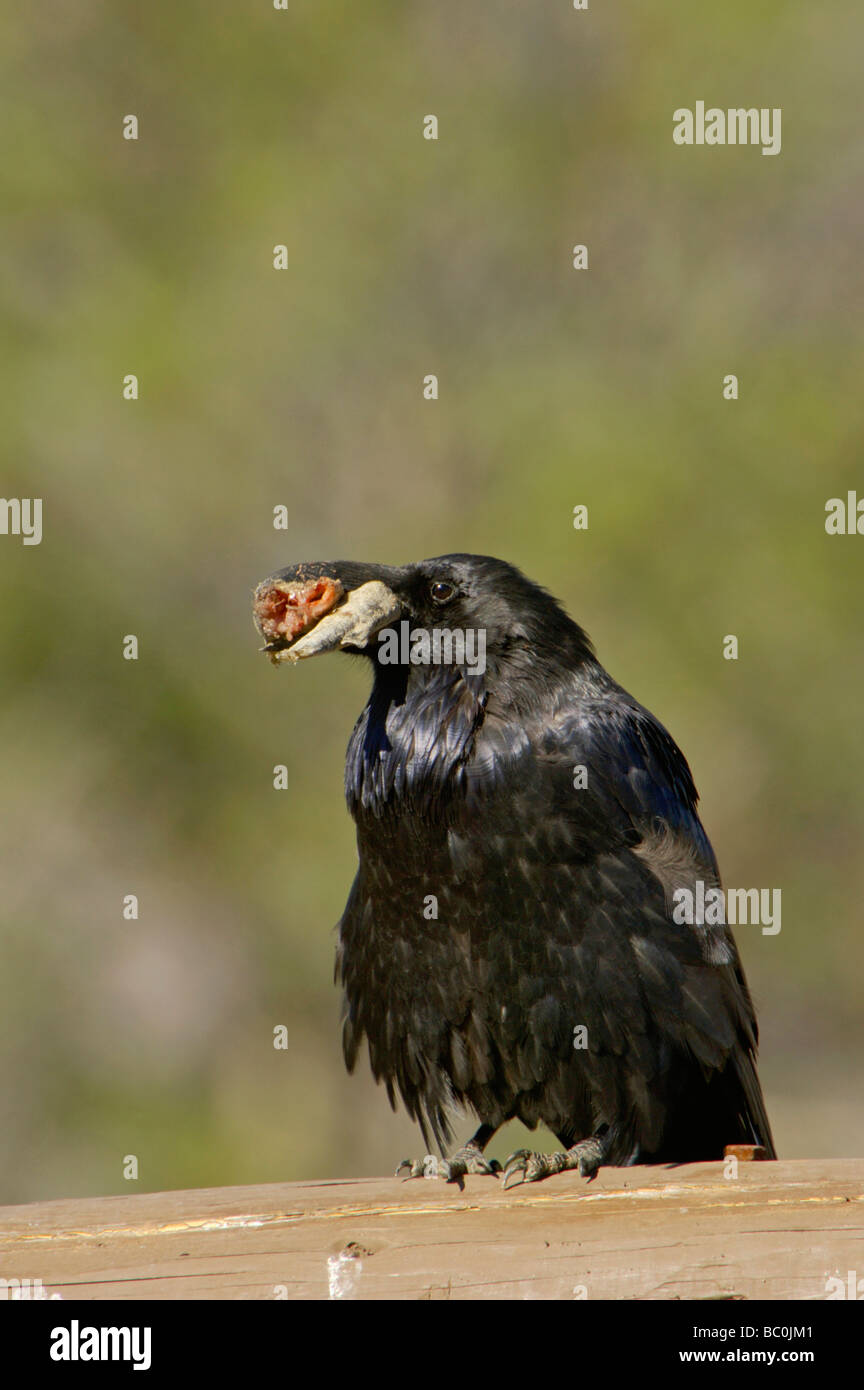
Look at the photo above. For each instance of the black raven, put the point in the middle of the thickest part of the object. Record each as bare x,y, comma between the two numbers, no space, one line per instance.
510,943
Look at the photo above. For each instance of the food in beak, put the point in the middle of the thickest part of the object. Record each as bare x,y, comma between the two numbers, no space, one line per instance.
302,619
284,610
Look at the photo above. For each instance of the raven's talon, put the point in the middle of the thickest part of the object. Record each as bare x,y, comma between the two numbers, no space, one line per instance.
584,1158
531,1165
426,1167
468,1159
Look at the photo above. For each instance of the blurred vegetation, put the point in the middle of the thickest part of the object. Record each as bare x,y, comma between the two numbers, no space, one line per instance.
304,387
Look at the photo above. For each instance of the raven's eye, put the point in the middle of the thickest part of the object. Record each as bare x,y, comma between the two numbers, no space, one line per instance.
441,591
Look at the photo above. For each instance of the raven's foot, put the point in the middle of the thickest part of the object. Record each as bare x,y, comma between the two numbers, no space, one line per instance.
585,1157
468,1159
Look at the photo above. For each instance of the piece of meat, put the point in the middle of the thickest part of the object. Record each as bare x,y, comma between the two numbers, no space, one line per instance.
285,611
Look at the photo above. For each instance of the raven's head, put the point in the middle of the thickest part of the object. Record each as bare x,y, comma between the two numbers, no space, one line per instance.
457,644
469,611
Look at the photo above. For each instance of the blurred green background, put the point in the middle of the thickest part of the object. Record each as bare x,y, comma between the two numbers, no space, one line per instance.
303,387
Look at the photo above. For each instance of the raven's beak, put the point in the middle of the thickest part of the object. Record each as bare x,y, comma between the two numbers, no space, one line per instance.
305,617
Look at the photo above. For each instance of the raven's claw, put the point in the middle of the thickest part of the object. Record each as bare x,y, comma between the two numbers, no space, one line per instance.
585,1157
468,1159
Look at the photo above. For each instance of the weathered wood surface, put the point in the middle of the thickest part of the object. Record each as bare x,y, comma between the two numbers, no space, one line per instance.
778,1231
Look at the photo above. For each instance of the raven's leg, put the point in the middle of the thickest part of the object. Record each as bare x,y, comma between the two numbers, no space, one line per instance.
586,1157
468,1159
